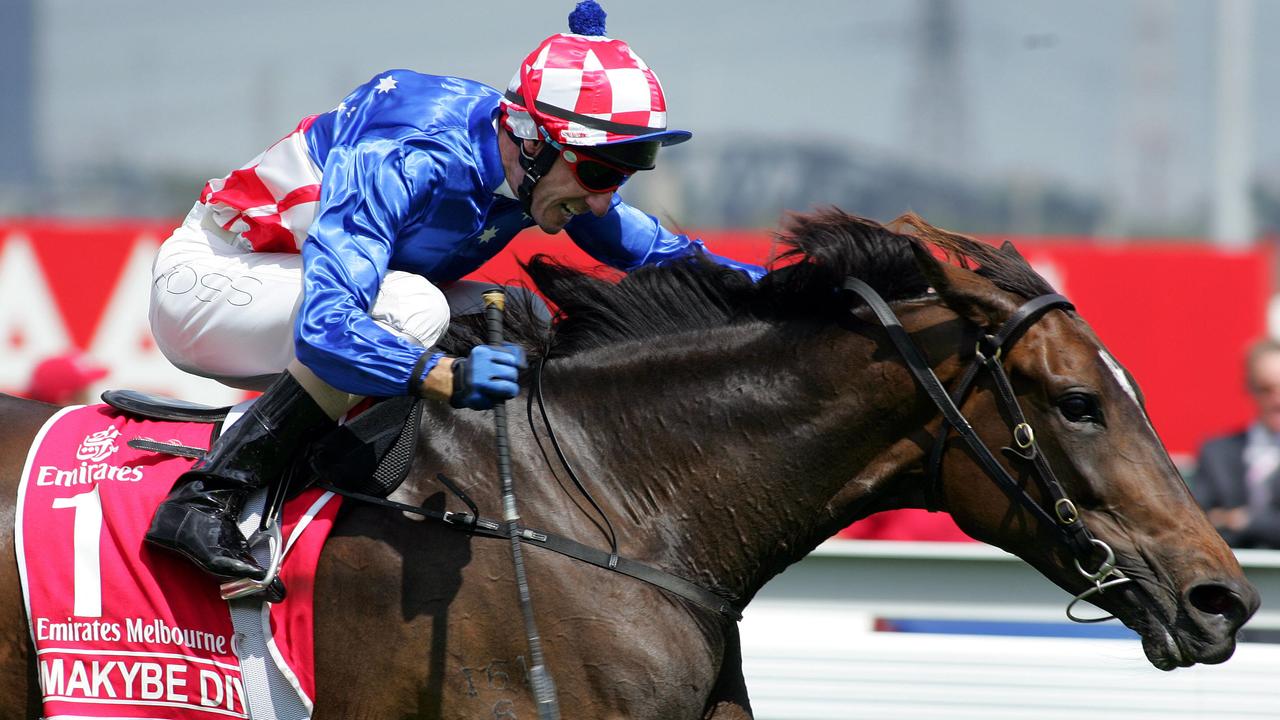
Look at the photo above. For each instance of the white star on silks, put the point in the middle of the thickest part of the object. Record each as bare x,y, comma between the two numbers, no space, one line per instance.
489,233
386,84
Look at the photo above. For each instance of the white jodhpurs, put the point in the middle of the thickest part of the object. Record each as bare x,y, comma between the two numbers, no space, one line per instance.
227,314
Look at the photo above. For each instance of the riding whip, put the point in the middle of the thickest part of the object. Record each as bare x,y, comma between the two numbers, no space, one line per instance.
544,689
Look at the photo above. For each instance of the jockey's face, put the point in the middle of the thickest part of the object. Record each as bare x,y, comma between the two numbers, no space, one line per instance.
558,196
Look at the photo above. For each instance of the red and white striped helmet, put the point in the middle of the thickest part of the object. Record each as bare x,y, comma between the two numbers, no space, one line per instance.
586,89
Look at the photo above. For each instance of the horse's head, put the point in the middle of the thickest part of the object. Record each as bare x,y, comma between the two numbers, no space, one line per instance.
1186,595
777,377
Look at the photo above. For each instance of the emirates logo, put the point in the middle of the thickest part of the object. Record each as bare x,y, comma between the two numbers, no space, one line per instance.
98,446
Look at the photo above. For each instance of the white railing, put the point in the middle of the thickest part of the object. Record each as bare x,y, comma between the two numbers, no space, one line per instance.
811,651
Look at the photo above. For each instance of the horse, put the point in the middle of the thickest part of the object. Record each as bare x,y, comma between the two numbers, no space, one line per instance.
726,428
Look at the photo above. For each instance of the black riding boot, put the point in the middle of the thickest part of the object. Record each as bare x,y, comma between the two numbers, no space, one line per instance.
199,517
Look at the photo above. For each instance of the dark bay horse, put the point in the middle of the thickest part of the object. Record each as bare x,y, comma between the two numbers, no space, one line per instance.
727,429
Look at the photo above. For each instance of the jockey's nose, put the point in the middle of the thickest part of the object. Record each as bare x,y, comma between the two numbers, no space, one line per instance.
599,203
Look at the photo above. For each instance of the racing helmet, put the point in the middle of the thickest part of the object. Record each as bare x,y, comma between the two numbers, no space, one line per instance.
587,90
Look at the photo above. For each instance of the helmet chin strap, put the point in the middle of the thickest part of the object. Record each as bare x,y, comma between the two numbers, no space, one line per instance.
535,167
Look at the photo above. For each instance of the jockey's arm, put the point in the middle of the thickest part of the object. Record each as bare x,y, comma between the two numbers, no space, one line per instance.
488,375
438,383
365,200
626,238
368,193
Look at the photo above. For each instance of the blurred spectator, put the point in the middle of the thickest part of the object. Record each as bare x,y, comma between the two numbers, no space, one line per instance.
1237,479
65,379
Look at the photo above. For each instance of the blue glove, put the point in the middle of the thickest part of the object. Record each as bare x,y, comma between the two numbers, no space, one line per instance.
490,374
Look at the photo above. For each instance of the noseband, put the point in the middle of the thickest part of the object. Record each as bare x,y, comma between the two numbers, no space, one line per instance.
1064,517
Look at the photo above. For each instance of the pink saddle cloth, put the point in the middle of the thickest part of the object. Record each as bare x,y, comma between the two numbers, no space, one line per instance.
125,630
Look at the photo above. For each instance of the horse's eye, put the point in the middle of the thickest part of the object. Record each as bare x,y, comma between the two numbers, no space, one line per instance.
1079,408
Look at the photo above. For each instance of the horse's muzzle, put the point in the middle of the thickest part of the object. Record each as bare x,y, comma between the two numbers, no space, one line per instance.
1204,627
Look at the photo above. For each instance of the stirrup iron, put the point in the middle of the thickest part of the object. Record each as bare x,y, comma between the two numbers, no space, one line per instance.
245,587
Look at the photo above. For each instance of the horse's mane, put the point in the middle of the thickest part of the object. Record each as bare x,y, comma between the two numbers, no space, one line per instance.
822,248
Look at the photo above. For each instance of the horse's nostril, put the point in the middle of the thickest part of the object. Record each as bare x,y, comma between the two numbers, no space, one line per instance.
1216,599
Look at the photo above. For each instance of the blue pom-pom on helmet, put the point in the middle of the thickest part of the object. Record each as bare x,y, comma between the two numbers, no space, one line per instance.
587,19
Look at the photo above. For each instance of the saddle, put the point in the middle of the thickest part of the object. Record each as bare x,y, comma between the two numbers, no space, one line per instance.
369,454
367,457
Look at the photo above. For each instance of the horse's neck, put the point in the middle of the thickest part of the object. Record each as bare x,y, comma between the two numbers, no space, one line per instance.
732,453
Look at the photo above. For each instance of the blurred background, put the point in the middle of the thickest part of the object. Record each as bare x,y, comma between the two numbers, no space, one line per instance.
1087,118
1123,145
1095,127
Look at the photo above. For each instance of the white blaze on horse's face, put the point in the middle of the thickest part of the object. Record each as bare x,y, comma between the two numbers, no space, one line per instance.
1122,377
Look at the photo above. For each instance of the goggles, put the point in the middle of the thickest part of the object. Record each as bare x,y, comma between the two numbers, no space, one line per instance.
592,173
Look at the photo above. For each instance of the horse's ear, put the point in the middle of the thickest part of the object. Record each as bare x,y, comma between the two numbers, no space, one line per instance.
969,294
1007,248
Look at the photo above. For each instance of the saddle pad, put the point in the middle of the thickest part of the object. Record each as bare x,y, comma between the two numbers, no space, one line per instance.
124,630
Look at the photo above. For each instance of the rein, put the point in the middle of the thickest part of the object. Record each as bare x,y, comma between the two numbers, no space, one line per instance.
1065,517
473,524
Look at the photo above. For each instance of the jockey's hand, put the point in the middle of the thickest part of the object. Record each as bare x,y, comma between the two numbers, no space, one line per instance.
489,374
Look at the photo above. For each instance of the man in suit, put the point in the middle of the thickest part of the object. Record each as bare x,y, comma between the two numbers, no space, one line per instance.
1237,481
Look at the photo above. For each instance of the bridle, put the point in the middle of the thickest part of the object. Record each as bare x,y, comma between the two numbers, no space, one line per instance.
991,347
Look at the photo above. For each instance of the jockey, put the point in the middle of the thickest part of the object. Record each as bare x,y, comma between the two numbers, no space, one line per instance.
324,270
